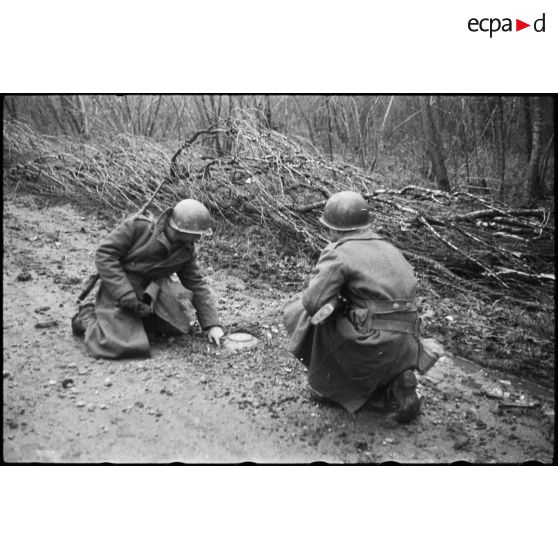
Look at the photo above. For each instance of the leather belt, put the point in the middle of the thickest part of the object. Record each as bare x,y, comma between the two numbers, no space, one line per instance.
399,322
386,306
398,326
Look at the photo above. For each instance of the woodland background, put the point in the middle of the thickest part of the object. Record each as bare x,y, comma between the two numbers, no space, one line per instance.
500,144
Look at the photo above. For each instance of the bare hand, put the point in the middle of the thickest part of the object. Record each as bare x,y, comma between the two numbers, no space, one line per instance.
214,335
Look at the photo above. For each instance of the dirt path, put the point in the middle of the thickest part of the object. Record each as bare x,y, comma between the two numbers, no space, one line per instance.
195,403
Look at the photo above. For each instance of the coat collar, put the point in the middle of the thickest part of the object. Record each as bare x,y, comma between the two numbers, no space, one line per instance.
362,234
159,230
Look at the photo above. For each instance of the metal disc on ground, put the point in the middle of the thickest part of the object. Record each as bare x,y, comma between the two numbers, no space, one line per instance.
433,345
239,341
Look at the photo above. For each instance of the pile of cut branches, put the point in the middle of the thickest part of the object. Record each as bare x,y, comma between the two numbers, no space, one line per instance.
248,173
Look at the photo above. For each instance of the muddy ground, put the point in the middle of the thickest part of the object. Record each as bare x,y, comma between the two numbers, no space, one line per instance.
196,403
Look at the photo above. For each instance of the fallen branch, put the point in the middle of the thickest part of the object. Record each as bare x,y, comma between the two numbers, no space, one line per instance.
459,251
426,192
212,130
530,277
486,213
437,266
376,196
509,254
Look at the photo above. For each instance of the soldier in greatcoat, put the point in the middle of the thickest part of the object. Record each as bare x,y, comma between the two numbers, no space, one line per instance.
369,347
137,295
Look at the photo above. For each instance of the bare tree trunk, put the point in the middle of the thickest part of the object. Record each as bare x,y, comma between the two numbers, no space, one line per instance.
232,105
477,138
378,136
118,111
500,151
463,137
306,121
215,103
178,118
267,112
369,132
84,121
139,127
59,122
212,105
330,133
68,109
11,106
433,145
358,133
154,117
527,126
533,185
339,129
386,115
206,110
129,113
544,162
202,110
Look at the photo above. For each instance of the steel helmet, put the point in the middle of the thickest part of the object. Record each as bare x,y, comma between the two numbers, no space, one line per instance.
191,216
345,211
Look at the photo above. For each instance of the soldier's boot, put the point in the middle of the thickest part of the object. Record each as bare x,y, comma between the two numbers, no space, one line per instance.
381,401
402,391
83,319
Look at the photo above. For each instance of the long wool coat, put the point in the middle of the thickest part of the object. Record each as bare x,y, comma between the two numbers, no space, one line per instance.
374,337
137,256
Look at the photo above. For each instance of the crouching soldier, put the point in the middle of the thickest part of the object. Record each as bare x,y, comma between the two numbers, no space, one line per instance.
369,345
136,294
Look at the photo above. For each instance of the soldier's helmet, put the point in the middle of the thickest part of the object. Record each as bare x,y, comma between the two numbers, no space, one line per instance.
191,216
345,211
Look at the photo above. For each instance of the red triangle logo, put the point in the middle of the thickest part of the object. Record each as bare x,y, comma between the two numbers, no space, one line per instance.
519,25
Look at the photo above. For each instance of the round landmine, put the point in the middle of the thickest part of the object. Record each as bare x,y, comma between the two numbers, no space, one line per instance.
433,345
239,342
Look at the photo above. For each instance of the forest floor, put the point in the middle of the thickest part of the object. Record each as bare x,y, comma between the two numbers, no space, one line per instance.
196,403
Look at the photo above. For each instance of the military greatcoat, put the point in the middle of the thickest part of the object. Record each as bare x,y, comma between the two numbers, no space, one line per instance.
374,336
137,256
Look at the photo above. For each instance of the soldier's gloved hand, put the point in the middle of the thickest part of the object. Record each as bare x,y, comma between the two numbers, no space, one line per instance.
130,302
143,310
214,335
